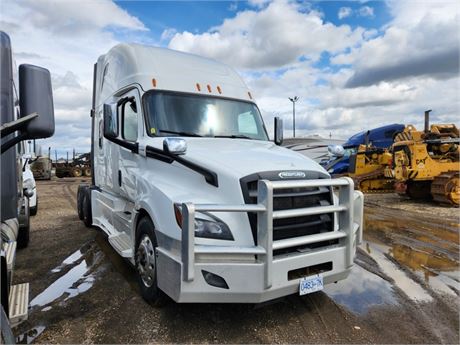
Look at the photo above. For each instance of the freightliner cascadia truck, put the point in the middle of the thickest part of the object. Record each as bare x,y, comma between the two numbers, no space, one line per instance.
189,188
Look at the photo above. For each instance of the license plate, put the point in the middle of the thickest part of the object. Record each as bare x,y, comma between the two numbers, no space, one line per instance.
311,284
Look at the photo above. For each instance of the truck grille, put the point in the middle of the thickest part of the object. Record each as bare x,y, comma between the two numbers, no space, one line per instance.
290,199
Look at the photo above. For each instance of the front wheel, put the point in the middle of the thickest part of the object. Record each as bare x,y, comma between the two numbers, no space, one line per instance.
34,210
146,263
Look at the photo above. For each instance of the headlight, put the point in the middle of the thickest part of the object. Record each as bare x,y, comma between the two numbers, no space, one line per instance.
206,225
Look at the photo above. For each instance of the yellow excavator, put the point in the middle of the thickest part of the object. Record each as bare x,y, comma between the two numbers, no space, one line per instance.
426,164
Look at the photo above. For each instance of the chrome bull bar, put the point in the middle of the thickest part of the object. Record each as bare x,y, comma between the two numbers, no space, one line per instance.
265,215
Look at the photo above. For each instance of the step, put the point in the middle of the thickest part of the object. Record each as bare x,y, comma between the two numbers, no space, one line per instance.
122,244
18,303
10,254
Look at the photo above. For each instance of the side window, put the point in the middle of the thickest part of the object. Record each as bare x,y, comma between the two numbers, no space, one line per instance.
247,123
101,133
129,120
106,69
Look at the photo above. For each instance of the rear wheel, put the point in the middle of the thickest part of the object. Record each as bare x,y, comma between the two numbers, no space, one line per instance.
87,172
80,195
86,206
76,172
146,263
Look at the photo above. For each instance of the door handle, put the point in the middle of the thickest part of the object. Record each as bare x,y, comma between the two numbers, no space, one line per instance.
119,178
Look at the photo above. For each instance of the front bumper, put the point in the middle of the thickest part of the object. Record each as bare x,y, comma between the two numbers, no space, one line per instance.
263,277
245,280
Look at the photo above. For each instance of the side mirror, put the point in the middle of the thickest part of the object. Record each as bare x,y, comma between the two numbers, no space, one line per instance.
36,96
336,150
278,131
110,121
175,146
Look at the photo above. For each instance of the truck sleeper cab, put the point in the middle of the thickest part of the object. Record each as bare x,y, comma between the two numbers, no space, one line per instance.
188,187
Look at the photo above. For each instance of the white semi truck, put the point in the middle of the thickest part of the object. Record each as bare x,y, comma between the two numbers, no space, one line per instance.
27,114
189,188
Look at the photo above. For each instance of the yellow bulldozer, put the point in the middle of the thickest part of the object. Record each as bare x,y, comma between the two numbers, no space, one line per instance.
367,169
426,164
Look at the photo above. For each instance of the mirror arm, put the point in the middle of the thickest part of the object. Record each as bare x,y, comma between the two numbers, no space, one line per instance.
13,126
10,143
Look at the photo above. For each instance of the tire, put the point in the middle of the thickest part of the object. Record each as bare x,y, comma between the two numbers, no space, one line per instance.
80,194
87,213
24,229
87,172
146,245
76,172
34,210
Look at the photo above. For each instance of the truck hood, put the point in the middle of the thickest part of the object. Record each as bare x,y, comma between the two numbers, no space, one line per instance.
242,157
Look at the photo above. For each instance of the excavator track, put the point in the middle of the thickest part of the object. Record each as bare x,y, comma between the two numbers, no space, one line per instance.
445,188
374,175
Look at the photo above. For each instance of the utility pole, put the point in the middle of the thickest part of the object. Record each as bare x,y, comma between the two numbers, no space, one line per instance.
293,100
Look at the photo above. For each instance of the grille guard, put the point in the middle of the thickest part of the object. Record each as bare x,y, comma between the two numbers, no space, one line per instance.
349,221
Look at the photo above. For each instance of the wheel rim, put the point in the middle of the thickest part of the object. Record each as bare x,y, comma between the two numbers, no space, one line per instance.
146,261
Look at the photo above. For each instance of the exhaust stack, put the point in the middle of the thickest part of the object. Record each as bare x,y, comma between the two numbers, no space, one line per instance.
427,120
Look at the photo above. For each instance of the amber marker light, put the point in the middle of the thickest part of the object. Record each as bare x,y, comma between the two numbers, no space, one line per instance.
209,87
249,94
219,90
198,87
178,214
154,82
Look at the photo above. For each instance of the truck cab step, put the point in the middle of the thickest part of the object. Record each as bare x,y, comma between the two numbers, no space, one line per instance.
10,254
122,244
18,303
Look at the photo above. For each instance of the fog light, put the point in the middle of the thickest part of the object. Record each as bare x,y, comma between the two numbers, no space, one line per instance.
214,280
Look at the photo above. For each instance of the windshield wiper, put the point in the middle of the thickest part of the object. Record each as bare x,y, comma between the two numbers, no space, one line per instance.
234,136
185,134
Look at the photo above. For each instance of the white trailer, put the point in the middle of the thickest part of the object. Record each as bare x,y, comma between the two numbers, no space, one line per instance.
189,189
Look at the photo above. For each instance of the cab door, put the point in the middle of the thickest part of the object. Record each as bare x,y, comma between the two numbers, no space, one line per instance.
127,165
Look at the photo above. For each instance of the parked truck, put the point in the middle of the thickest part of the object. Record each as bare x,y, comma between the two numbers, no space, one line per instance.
78,167
189,189
29,117
41,168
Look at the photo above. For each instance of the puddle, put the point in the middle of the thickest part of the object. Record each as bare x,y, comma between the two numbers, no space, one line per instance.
411,288
430,266
29,336
77,280
361,291
74,282
74,257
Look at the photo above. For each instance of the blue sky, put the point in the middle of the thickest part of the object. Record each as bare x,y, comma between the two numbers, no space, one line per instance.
199,16
353,64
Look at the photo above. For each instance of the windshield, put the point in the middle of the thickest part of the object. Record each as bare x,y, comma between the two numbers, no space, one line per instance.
195,115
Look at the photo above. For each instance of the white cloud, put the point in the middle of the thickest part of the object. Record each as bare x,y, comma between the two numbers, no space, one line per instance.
67,37
428,46
167,34
366,11
275,36
344,12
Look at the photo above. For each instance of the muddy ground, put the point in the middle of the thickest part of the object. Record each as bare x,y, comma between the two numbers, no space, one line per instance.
404,287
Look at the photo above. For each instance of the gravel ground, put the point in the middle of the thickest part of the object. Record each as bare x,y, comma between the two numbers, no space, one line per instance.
404,287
